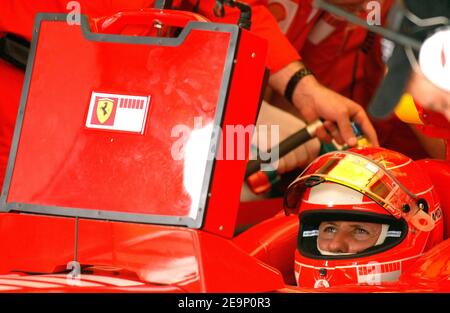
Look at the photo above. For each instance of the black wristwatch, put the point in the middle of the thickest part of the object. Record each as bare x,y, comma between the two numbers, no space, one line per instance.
295,79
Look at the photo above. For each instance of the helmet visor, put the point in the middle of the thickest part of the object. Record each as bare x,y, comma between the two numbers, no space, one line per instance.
359,173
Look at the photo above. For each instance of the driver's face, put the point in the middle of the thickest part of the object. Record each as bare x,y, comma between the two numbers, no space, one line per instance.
347,237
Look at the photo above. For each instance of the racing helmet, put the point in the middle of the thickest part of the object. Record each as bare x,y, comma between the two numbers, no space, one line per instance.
365,185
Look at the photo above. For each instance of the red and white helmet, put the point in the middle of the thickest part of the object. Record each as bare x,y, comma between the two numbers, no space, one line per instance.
371,185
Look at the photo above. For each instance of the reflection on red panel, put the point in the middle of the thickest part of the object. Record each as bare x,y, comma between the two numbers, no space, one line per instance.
111,169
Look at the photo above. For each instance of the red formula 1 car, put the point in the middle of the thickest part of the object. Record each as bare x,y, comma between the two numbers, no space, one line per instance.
119,179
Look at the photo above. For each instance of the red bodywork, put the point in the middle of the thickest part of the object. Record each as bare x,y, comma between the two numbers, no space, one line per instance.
117,202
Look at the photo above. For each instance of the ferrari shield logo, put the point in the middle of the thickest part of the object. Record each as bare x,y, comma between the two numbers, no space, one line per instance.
104,109
117,112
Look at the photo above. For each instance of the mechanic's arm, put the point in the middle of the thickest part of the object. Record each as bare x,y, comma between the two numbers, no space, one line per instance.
311,98
316,101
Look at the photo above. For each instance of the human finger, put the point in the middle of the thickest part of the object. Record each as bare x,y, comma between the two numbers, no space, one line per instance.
369,132
345,128
333,130
323,135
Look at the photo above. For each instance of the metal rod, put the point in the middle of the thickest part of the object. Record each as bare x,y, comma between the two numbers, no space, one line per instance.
386,33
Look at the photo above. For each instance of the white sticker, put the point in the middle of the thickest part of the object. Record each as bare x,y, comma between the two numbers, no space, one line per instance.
118,112
311,233
394,233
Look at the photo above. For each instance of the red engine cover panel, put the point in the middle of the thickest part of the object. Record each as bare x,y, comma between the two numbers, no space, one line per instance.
78,151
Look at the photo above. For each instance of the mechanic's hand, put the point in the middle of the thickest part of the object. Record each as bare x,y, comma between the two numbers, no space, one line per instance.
314,100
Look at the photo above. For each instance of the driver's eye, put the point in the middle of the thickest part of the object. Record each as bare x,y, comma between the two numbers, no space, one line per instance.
330,229
361,231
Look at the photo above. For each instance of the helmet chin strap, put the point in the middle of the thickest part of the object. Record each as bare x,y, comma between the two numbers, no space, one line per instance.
380,241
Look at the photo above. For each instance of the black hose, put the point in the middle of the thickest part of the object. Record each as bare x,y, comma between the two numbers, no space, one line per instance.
289,144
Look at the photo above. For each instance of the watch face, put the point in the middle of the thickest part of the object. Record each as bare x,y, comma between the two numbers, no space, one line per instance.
434,58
